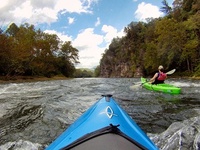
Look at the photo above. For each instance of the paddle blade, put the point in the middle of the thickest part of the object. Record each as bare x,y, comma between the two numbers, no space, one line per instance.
136,86
171,72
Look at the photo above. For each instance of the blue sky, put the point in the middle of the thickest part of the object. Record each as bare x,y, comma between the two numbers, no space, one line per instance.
89,24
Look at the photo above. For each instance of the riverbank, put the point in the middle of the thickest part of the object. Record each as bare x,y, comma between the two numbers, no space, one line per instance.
196,78
19,79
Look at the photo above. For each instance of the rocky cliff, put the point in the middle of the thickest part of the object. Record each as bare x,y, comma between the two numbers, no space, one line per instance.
121,70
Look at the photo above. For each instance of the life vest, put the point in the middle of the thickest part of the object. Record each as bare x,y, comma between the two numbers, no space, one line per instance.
161,76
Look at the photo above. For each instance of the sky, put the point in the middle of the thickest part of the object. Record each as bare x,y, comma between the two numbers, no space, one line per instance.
90,25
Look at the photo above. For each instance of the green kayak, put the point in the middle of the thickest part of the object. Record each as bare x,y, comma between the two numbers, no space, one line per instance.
165,88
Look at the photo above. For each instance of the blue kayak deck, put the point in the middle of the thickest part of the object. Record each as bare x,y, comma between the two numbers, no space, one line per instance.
103,114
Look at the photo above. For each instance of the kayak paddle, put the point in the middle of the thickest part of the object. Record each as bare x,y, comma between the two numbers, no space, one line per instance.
171,71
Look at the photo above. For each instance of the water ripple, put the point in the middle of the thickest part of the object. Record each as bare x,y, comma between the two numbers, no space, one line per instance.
34,114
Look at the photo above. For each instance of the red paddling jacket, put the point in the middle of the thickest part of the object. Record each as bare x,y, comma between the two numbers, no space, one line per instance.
160,78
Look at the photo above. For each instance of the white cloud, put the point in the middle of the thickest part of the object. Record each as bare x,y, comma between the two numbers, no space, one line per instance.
70,20
98,22
38,11
3,3
89,58
146,10
23,12
89,45
111,32
88,38
39,4
77,6
87,42
63,37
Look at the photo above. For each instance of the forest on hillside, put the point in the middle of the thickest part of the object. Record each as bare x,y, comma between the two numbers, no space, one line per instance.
25,51
173,41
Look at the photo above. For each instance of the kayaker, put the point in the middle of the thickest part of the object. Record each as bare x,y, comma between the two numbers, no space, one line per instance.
159,77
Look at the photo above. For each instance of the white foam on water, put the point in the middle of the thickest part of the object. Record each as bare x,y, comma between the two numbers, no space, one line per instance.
21,145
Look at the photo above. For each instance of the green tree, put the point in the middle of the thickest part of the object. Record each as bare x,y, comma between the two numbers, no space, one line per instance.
45,52
177,10
69,52
27,51
6,45
68,55
97,71
12,30
191,50
83,73
166,8
22,47
170,41
135,43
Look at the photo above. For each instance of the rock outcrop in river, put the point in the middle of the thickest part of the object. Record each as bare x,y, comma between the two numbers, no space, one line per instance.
180,135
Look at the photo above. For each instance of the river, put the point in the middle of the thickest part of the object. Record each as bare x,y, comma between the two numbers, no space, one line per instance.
33,114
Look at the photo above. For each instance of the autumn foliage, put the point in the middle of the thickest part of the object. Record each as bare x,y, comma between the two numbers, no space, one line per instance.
26,51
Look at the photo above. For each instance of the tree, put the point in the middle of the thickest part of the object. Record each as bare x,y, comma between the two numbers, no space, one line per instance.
22,46
170,41
83,73
191,50
45,53
177,10
27,51
6,45
12,30
97,71
67,57
166,8
69,52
